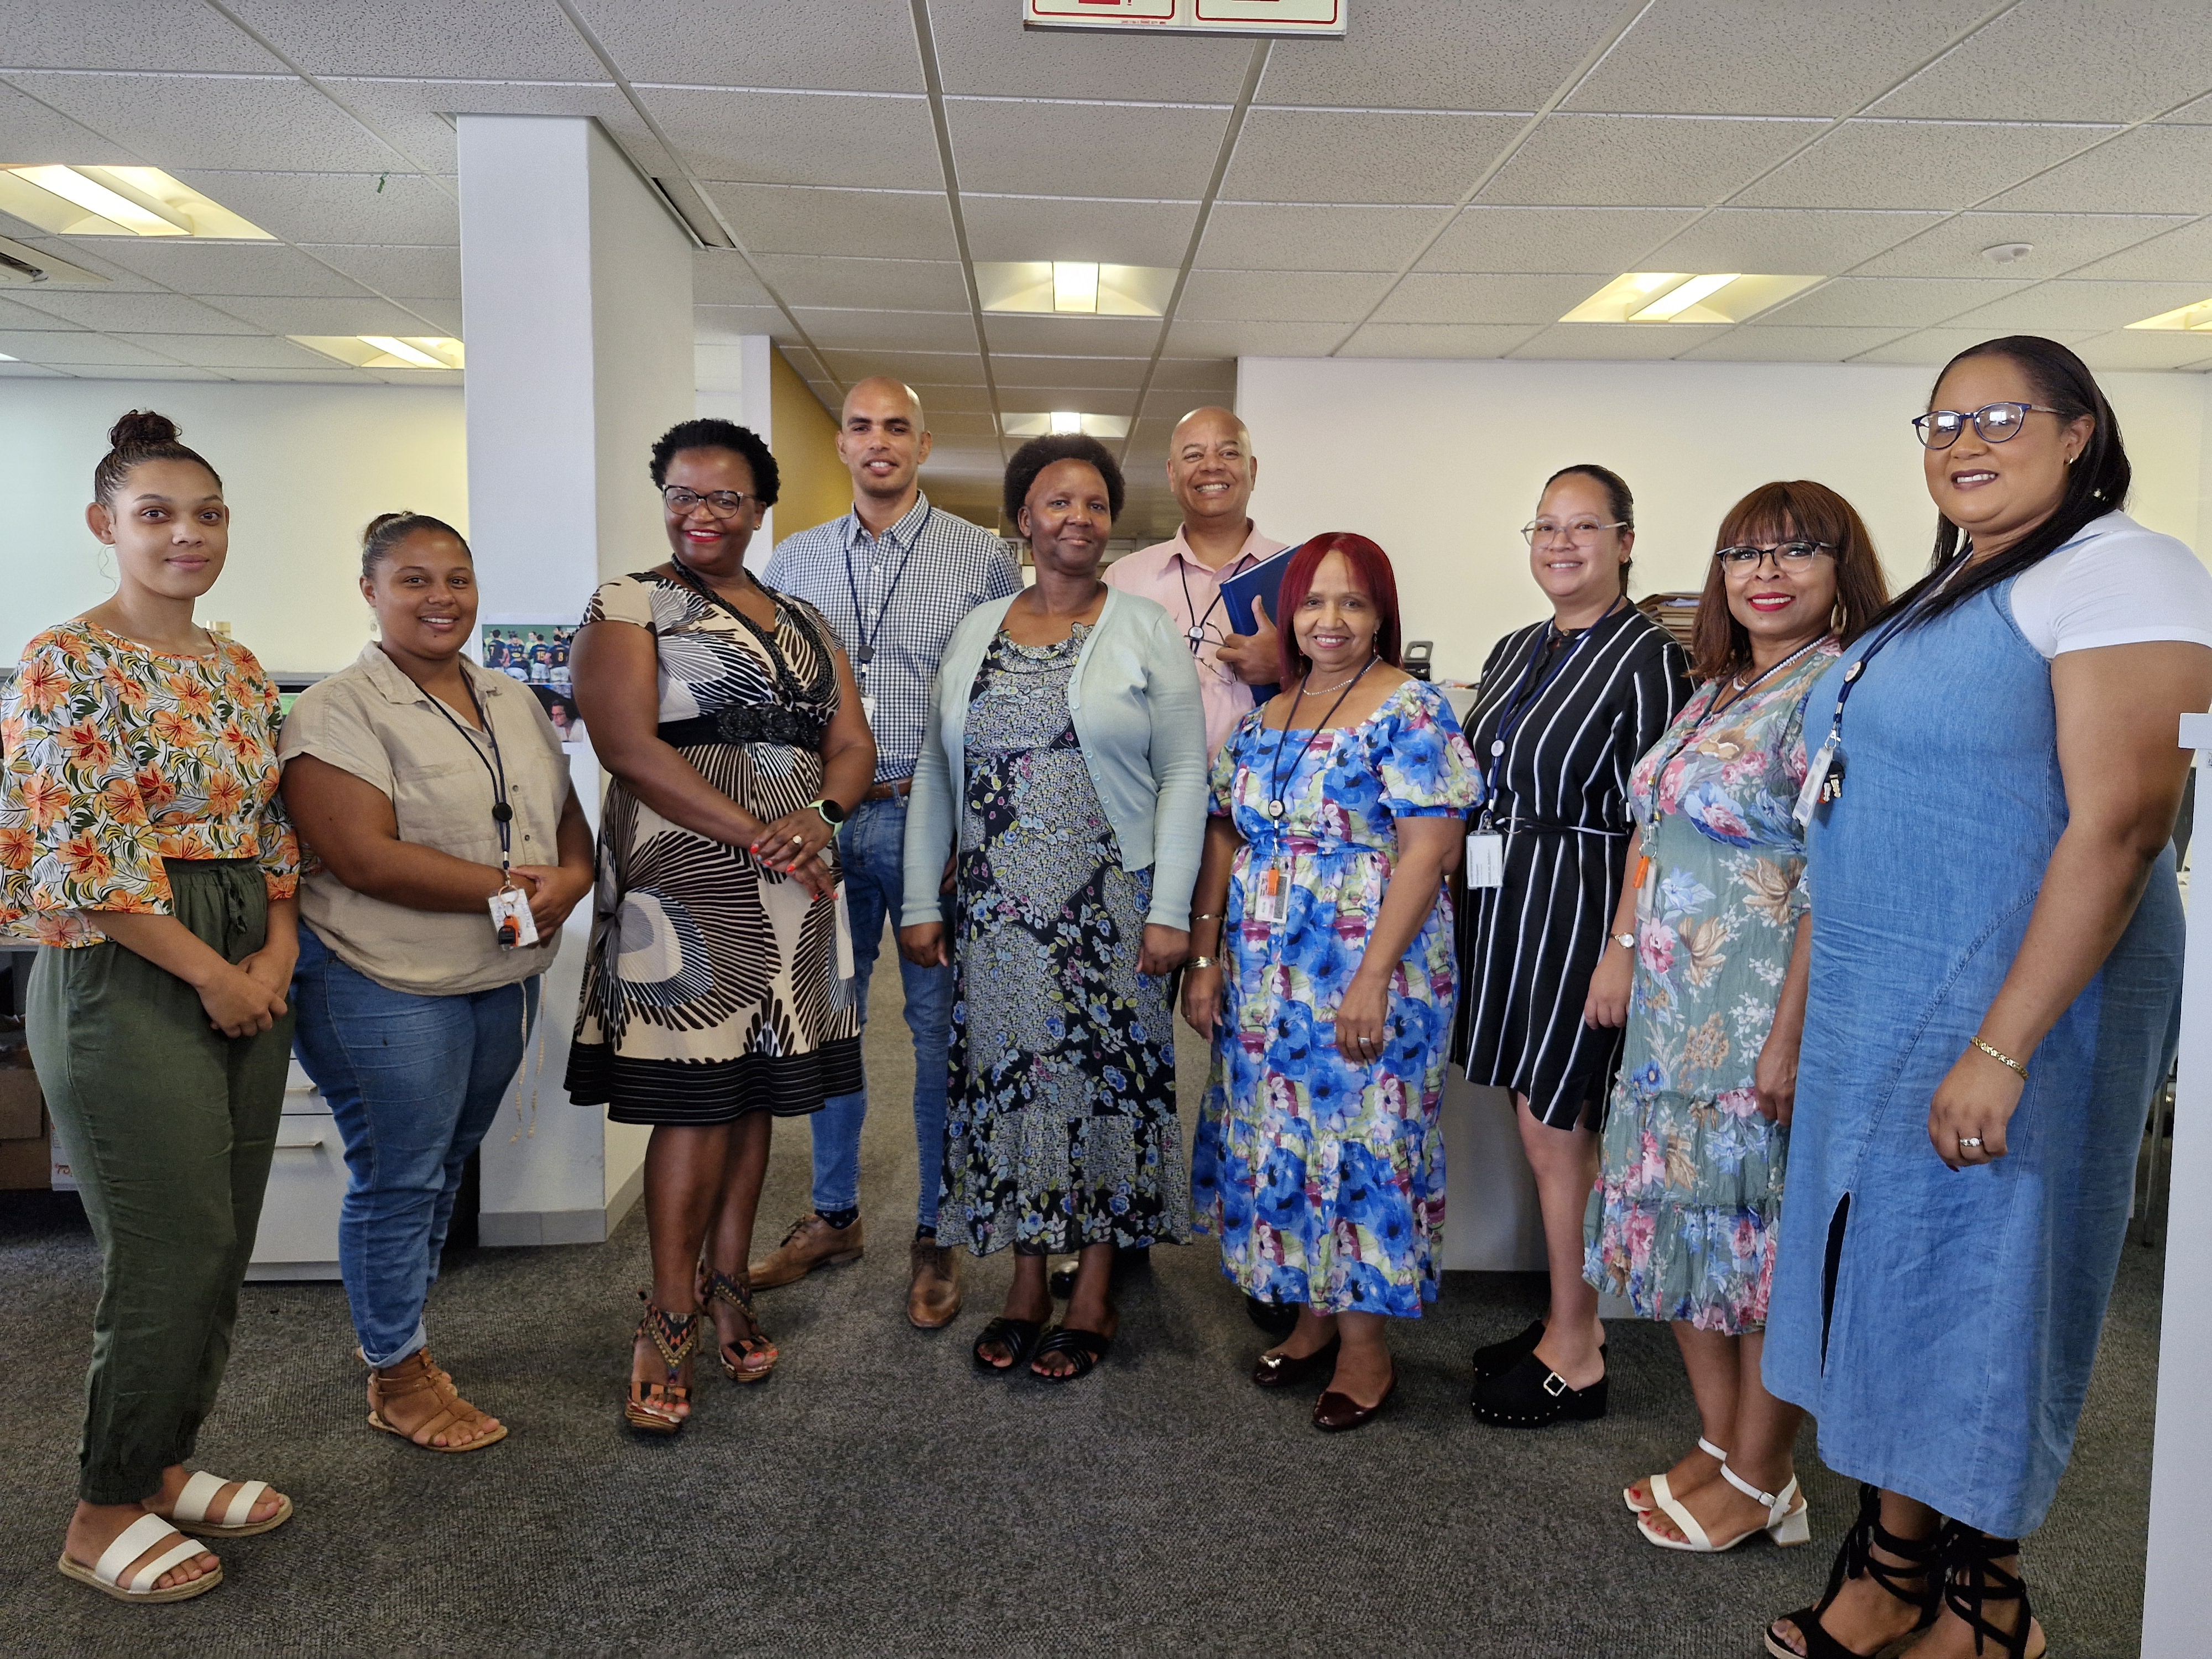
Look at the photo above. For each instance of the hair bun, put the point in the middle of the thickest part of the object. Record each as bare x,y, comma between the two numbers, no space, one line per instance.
368,530
141,426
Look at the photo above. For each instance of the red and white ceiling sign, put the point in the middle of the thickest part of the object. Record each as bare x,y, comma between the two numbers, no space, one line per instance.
1323,18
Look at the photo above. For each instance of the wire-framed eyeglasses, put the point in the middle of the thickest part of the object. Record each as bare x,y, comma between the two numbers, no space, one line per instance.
1939,428
1584,530
1197,639
721,503
1789,555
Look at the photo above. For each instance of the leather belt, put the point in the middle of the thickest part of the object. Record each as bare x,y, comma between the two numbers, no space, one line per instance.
891,789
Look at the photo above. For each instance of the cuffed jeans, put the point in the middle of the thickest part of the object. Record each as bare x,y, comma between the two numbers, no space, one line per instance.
414,1082
873,846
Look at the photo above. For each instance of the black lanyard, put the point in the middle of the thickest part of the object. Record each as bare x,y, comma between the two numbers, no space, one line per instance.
786,683
1742,696
495,768
1524,699
864,651
1197,633
1277,810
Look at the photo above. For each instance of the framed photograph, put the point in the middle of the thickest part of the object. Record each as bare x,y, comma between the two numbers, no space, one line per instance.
533,650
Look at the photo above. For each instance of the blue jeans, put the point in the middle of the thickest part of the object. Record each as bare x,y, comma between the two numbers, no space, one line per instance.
414,1083
873,845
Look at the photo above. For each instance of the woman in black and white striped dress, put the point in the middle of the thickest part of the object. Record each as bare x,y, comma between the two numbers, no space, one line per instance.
1566,706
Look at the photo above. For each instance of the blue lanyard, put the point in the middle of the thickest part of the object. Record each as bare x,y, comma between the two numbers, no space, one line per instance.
1523,699
864,651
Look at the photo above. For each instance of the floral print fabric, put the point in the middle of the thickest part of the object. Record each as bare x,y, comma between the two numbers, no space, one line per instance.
1683,1220
119,757
1325,1181
1061,1125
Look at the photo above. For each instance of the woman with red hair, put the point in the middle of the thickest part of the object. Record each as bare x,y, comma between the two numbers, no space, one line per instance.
1324,974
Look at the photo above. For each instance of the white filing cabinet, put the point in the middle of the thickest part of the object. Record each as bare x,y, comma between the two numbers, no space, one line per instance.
299,1235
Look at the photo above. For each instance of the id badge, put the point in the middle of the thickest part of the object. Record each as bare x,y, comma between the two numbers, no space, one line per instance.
1824,761
511,918
1486,860
1271,897
844,936
868,708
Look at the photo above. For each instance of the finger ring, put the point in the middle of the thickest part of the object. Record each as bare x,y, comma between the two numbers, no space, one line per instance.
1966,1141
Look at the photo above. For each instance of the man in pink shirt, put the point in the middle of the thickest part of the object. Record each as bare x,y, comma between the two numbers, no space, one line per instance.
1211,470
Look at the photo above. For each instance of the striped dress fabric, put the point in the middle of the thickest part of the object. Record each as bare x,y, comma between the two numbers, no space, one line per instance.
1527,947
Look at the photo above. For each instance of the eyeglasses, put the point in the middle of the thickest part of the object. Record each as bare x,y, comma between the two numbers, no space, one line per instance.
1939,428
721,503
1790,555
1582,530
1204,635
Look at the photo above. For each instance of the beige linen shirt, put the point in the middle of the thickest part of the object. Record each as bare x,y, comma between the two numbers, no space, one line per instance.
370,720
1168,573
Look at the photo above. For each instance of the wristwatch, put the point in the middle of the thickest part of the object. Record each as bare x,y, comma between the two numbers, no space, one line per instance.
1625,941
1200,962
832,814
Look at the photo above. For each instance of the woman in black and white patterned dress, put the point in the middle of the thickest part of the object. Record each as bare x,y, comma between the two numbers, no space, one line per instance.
714,997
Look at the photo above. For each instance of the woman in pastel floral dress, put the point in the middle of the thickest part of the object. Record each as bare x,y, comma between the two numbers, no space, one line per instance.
1681,1222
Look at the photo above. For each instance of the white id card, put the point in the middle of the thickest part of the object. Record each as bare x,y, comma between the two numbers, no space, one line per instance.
1486,859
844,936
511,918
1816,774
868,708
1271,897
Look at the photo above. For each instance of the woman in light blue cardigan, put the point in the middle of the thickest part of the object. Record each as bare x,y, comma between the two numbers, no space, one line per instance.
1069,836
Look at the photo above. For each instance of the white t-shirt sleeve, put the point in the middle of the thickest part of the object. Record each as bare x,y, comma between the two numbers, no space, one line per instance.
2118,584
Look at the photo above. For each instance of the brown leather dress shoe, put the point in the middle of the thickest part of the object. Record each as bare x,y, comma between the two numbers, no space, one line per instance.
933,1298
1334,1412
812,1242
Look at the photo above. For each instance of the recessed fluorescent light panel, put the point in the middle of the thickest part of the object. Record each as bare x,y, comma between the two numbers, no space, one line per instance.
1686,296
1064,420
1072,288
386,350
74,201
20,263
2198,316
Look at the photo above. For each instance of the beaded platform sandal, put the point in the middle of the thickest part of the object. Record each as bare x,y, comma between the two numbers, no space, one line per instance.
755,1355
1971,1579
652,1406
1917,1559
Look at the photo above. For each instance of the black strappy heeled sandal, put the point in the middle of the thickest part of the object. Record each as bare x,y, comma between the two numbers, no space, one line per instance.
1917,1558
1018,1336
1971,1579
651,1407
715,1285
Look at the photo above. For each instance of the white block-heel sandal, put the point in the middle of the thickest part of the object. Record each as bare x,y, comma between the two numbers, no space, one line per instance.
1787,1522
1661,1492
106,1575
191,1514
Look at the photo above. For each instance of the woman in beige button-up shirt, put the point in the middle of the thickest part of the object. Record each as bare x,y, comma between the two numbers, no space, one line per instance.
425,787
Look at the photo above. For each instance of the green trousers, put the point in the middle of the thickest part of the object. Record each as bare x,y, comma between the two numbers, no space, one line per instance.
169,1126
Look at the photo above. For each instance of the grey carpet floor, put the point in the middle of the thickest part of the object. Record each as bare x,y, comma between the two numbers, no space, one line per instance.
881,1497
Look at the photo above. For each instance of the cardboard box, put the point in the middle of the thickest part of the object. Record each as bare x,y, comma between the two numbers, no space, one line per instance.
22,1108
26,1164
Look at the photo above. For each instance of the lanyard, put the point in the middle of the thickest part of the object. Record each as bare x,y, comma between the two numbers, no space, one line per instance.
1742,696
1523,699
864,651
786,683
1277,809
495,768
1234,566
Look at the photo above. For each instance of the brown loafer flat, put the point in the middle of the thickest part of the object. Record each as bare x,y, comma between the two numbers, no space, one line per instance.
932,1300
812,1242
1334,1412
1281,1370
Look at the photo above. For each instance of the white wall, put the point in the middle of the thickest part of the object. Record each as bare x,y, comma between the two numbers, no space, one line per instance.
304,467
1441,463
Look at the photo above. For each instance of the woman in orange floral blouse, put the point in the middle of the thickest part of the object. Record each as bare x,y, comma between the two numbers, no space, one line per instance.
142,836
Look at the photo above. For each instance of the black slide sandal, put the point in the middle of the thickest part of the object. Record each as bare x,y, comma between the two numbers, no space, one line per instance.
1085,1348
1020,1337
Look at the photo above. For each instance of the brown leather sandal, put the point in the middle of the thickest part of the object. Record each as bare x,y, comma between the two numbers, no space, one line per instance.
756,1354
652,1405
415,1375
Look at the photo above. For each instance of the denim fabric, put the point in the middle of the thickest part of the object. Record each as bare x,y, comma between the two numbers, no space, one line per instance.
1941,1326
873,847
414,1082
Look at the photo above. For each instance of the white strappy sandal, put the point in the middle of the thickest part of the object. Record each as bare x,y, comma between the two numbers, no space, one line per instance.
191,1514
1661,1492
1787,1522
106,1575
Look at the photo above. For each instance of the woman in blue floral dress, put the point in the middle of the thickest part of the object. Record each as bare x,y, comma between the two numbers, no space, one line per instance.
1681,1222
1325,977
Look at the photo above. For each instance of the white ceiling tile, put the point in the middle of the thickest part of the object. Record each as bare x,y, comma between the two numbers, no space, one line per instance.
1553,239
972,397
1934,347
414,114
874,329
729,323
78,251
1262,237
1363,155
1153,151
364,315
1092,399
130,372
1035,369
128,34
901,284
332,376
1895,302
1910,164
1599,341
1634,161
1953,247
31,372
439,316
389,376
2148,348
1193,336
917,368
428,273
2078,305
1783,241
1752,58
13,315
955,423
1072,336
197,268
2149,170
29,131
883,224
801,138
1017,228
145,313
1280,296
176,123
982,48
1456,297
1418,54
2179,256
1434,340
230,351
1776,343
2117,60
1206,380
338,207
522,39
70,347
858,45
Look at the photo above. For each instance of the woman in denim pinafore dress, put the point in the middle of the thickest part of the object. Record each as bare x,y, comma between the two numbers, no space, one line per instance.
1980,1041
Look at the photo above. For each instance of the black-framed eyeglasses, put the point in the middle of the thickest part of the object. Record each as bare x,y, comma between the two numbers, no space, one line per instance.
722,503
1939,428
1790,555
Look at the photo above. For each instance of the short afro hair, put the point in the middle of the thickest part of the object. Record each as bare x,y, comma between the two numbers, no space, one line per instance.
1038,453
709,433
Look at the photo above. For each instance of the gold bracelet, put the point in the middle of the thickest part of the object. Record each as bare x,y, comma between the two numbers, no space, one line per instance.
2002,1058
